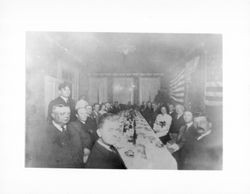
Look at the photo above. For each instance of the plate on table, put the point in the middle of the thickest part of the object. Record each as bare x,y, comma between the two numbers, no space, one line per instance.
159,144
151,138
130,153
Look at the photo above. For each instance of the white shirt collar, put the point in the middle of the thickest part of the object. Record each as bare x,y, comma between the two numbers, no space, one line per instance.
104,145
83,122
59,127
65,99
204,135
189,125
178,116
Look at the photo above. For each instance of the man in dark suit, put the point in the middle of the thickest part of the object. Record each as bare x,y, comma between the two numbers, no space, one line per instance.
142,107
96,114
115,108
81,127
177,122
91,123
104,155
204,151
61,146
65,99
148,113
185,136
171,111
154,113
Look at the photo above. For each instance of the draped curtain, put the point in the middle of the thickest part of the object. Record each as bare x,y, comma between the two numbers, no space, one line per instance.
149,87
123,89
98,90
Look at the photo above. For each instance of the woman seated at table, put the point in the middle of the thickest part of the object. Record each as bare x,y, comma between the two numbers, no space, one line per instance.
162,124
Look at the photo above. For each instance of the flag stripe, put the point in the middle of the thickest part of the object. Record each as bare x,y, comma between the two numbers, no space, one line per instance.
213,103
214,89
181,89
215,94
173,84
214,98
180,83
178,94
177,79
214,84
177,87
181,100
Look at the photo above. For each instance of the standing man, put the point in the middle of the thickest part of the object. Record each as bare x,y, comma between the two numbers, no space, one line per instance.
148,113
61,146
96,114
65,99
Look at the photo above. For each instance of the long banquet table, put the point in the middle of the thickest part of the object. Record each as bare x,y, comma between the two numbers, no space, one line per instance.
148,152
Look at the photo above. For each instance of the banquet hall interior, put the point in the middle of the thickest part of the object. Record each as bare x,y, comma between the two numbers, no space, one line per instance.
127,70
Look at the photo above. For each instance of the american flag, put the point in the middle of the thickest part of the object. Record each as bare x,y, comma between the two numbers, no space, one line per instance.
178,85
213,85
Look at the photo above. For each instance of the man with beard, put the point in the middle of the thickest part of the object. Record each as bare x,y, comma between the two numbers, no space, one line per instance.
204,151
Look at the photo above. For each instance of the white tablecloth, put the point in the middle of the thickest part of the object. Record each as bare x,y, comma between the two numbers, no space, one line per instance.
148,153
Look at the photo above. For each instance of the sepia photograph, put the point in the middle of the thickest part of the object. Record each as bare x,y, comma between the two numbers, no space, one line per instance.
108,100
124,97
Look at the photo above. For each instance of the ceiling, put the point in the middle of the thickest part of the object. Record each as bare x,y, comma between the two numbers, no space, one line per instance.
124,52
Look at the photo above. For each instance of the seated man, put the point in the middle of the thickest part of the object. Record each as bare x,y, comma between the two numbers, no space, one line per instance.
103,110
61,147
80,126
103,154
116,108
81,102
148,113
91,123
204,151
185,136
171,110
177,122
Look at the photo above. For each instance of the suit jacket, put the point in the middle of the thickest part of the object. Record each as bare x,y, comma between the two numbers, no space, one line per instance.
59,100
83,133
176,124
173,115
61,149
102,158
148,115
96,116
203,154
92,128
184,137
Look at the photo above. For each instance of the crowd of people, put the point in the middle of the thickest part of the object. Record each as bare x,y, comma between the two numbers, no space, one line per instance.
80,135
